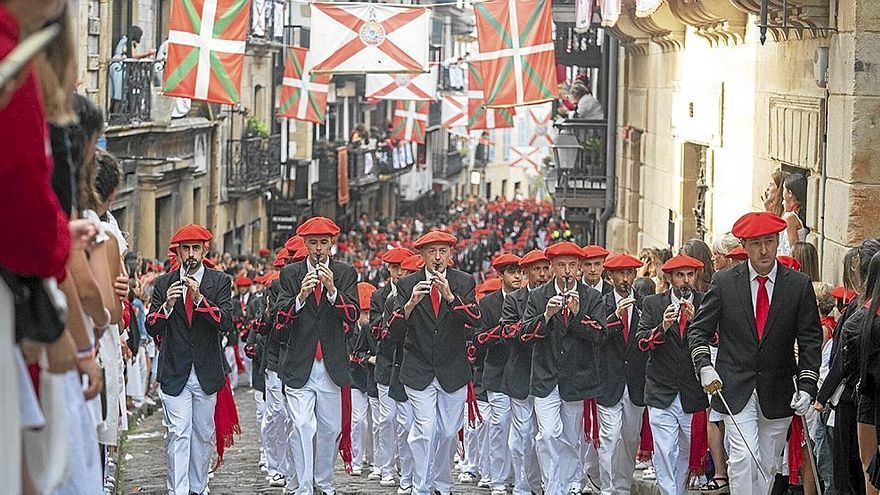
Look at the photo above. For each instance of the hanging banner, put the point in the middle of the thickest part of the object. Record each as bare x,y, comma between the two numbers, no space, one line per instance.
526,157
610,10
480,117
410,120
517,54
359,38
303,97
453,111
416,87
206,43
583,15
541,120
342,196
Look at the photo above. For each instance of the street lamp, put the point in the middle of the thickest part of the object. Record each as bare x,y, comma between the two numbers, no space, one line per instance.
565,151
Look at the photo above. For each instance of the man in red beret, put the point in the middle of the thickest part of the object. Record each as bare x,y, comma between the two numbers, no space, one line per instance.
239,308
436,308
760,310
489,336
190,312
672,392
565,324
360,401
591,265
381,305
316,308
517,373
621,403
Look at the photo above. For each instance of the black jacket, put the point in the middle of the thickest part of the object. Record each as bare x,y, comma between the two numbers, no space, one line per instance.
565,355
745,363
489,337
621,361
517,372
670,370
331,323
253,320
199,346
357,369
435,346
379,314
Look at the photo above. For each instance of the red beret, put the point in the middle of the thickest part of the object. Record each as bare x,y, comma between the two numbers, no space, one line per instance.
844,294
358,264
300,254
191,233
365,291
533,256
271,277
564,248
757,224
243,282
435,237
260,279
594,251
506,259
622,262
396,256
789,262
413,264
681,261
738,253
490,285
265,252
294,243
318,226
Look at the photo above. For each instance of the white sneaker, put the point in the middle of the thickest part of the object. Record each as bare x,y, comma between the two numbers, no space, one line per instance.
404,491
484,483
649,474
357,470
278,481
375,475
642,465
499,492
467,477
387,481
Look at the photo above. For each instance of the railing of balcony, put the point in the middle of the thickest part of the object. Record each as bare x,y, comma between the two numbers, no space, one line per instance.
591,136
252,162
454,163
361,166
129,97
583,183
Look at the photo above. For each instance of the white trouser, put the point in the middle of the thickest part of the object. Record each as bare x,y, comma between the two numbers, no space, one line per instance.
766,438
524,457
437,415
229,352
498,435
560,429
276,425
260,400
189,440
374,426
10,423
483,441
620,426
671,428
316,418
248,364
360,410
404,424
589,459
473,442
386,451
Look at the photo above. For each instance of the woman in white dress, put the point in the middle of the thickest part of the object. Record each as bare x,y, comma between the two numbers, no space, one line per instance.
794,195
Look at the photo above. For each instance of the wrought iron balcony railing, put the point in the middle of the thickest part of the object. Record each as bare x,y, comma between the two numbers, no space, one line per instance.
362,168
130,94
582,177
454,163
252,162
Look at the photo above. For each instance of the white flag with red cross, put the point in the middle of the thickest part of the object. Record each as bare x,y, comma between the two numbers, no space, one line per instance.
453,111
360,38
410,120
517,53
526,157
541,120
206,43
303,96
417,87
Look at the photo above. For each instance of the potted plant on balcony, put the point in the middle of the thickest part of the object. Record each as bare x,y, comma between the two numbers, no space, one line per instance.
255,128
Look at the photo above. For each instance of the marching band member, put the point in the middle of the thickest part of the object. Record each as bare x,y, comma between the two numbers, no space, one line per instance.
239,307
190,312
387,415
621,403
497,355
591,266
760,309
438,306
672,392
517,373
565,323
316,309
360,403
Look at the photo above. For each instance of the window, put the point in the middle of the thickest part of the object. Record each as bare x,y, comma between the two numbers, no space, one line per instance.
197,205
504,188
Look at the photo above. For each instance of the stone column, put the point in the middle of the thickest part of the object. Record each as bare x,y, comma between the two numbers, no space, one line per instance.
852,187
185,190
146,220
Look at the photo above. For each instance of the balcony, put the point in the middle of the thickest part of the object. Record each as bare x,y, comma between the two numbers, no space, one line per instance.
130,94
391,161
267,24
483,155
454,164
362,168
451,78
582,175
252,163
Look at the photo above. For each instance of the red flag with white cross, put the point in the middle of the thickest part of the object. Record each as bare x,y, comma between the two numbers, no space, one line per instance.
517,53
303,96
410,120
206,44
480,117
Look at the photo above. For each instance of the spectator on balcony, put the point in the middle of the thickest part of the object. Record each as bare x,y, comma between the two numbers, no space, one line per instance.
120,53
588,106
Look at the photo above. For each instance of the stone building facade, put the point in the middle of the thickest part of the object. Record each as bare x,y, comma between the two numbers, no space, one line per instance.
707,113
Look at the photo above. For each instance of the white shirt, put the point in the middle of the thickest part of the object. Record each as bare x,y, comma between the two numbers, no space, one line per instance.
598,286
312,268
771,282
198,276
